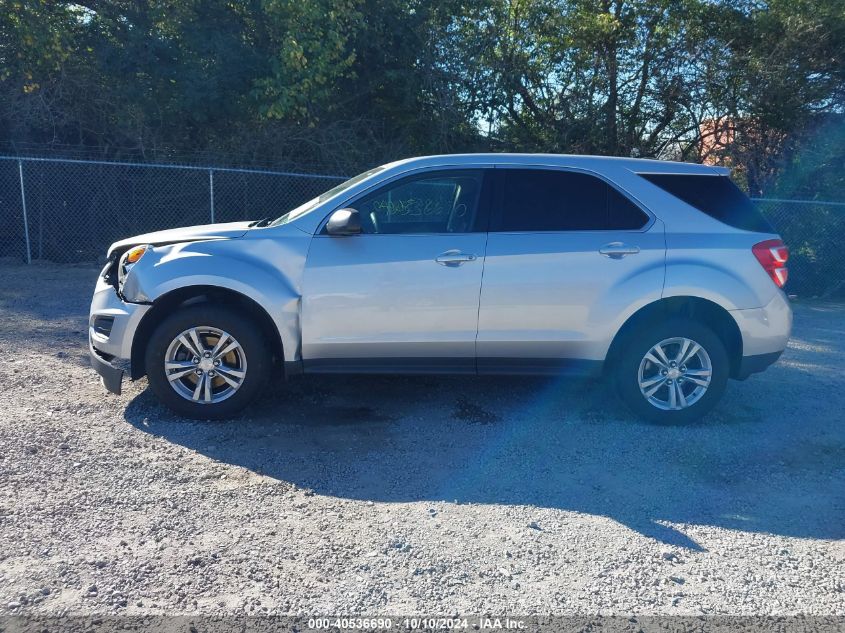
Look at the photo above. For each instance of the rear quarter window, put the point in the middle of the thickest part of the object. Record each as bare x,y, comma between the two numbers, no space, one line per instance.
717,196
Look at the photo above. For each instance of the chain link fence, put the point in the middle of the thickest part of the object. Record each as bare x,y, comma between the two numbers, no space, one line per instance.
69,211
813,231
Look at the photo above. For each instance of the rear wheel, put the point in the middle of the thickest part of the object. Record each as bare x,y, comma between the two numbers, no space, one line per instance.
673,372
207,362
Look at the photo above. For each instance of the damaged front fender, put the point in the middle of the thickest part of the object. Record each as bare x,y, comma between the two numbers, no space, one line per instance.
266,270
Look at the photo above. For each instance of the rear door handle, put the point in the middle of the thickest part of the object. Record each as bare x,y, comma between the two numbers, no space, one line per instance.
618,250
454,258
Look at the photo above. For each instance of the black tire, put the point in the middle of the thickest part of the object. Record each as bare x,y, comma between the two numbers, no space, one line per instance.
634,347
242,328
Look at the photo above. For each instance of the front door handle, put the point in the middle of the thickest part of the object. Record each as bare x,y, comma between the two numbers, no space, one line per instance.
454,258
618,250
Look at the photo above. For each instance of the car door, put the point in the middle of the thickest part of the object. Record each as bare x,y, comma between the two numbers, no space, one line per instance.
567,253
402,295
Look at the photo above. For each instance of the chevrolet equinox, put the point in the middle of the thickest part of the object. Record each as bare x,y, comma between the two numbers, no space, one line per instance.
660,275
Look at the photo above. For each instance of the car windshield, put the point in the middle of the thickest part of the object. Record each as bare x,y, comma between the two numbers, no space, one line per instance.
311,204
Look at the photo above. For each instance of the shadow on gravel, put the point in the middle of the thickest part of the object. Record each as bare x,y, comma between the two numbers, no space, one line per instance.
562,444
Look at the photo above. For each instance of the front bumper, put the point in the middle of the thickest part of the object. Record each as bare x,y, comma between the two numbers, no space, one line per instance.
111,346
111,376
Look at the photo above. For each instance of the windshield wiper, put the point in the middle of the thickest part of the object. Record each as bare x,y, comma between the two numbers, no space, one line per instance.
261,222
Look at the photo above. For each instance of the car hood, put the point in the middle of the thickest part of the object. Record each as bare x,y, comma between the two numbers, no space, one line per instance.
226,230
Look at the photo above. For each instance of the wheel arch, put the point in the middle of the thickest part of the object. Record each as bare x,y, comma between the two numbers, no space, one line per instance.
166,304
698,309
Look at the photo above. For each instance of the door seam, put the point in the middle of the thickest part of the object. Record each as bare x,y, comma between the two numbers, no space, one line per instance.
480,291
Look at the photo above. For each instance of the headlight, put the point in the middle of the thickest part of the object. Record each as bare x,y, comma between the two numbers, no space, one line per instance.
128,260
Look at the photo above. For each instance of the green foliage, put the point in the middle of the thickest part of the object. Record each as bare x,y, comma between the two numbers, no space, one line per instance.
780,72
590,75
815,171
34,41
349,83
312,51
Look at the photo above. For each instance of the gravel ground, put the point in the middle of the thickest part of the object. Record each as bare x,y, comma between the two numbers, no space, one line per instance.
409,495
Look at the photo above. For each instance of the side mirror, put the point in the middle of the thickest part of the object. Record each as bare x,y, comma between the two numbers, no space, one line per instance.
344,222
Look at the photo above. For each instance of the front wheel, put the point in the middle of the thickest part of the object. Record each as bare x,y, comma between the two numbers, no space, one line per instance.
207,362
673,372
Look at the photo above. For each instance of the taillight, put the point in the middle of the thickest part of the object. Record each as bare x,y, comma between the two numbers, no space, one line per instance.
772,255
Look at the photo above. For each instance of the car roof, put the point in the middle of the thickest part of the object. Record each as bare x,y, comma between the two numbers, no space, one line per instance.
596,163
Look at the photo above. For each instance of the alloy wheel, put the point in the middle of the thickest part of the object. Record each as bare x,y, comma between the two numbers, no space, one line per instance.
675,374
204,364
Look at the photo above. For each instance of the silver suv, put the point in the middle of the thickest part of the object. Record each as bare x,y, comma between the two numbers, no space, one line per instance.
660,275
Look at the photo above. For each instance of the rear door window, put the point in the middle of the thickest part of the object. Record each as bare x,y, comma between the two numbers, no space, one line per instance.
622,214
717,196
540,200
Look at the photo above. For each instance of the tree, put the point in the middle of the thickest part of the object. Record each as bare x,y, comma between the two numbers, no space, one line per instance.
598,76
349,83
786,71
